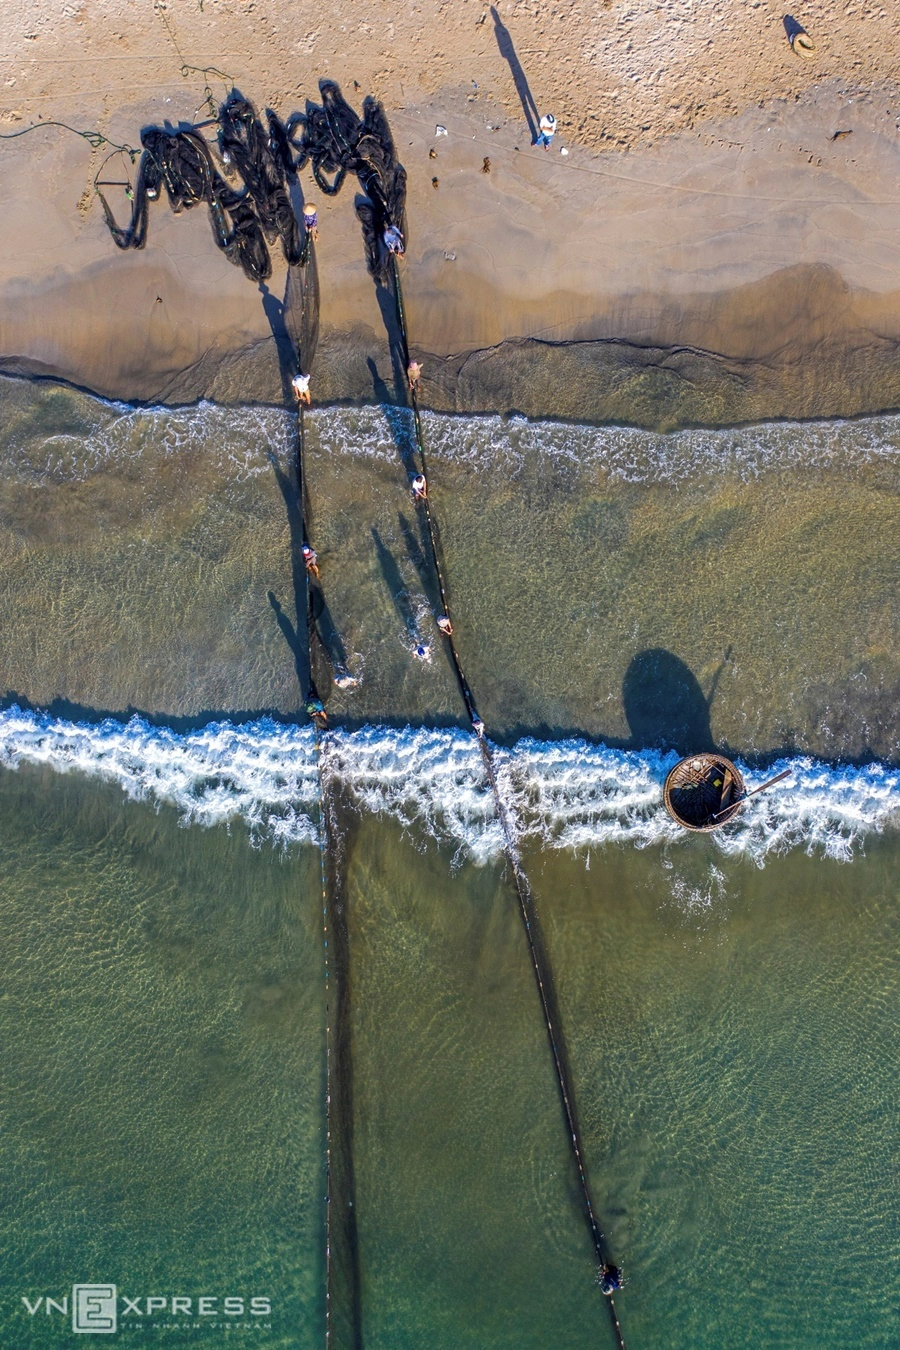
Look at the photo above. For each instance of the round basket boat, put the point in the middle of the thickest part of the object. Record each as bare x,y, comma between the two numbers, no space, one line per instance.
703,792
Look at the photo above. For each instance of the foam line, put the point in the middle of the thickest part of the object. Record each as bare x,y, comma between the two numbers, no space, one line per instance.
245,438
564,795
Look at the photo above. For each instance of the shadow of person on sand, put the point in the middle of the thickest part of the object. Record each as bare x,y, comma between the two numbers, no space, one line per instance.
664,704
386,297
274,310
508,52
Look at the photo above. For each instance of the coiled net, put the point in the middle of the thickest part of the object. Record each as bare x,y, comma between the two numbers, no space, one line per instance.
248,218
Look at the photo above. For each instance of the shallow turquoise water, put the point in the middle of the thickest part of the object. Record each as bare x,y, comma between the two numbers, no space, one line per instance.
162,1011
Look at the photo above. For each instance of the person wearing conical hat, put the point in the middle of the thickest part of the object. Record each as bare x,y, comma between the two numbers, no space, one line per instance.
311,219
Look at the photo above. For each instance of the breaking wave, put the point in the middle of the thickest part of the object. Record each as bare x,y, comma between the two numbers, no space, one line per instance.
99,432
567,794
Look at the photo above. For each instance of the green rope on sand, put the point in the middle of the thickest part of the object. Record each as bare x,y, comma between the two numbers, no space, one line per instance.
187,69
94,138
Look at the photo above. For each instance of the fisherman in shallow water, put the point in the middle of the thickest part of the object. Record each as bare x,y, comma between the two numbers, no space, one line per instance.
344,680
478,727
445,625
414,376
419,487
610,1279
300,386
393,239
316,710
311,560
311,219
422,652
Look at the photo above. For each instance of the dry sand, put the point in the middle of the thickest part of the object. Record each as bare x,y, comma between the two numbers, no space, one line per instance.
705,224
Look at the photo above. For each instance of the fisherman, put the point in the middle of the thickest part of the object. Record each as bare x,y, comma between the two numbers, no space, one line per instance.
445,625
610,1279
316,710
547,130
414,375
344,680
311,559
300,386
393,239
421,652
478,727
311,219
419,487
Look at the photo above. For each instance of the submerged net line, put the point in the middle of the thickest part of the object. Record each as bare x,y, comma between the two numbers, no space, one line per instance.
329,1068
301,312
536,947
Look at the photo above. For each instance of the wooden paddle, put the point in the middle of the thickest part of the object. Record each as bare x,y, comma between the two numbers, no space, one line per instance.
762,787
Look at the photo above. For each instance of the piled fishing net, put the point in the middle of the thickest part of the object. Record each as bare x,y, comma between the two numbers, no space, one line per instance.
248,218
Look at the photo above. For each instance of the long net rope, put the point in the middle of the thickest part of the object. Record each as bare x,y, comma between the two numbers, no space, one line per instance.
536,948
342,1318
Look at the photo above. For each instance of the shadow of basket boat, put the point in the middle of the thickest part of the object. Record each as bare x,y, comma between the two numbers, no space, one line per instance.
703,792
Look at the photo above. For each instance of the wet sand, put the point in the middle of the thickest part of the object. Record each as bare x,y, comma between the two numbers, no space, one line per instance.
753,256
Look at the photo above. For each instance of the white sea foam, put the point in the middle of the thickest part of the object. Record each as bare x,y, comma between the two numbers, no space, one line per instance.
626,454
566,795
241,441
244,439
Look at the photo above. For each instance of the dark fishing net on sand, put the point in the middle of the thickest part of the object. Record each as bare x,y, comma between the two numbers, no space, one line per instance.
335,140
181,161
245,220
257,159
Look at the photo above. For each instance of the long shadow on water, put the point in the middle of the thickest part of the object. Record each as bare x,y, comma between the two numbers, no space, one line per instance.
399,418
393,579
344,1292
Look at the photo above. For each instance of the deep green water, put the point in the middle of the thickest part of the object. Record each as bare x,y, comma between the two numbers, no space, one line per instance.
731,1027
733,1038
162,1063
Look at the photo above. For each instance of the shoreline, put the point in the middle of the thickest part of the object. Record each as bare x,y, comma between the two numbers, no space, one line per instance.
148,565
732,270
839,372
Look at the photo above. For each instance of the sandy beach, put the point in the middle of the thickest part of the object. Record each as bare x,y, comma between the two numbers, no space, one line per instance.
707,226
359,987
